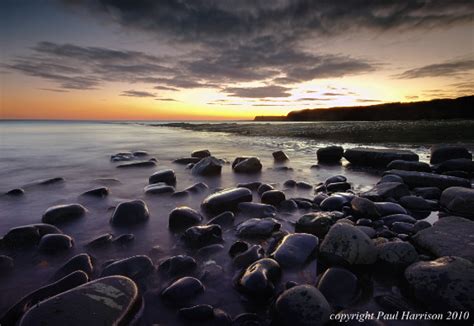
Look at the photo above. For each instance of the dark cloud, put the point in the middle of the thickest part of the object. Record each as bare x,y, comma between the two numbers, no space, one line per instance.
212,21
334,94
258,92
444,69
133,93
166,99
411,97
54,90
314,99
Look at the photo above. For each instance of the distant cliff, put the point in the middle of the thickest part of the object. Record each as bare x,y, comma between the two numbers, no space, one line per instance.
460,108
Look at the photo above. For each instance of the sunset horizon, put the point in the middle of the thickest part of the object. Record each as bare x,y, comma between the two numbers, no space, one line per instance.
97,61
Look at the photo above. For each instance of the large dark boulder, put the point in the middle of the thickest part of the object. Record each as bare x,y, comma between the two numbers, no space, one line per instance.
183,217
130,213
443,284
409,166
28,235
295,249
416,179
458,201
377,157
385,190
135,267
247,165
63,213
106,301
258,280
443,153
330,154
167,176
226,200
302,305
207,166
450,236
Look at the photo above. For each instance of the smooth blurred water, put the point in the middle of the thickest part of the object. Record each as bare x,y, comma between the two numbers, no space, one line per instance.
80,153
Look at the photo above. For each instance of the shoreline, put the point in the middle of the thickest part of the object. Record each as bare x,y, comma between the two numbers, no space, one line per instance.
369,132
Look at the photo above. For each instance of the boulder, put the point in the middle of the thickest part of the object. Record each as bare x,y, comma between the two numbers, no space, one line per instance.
202,153
247,165
458,201
158,189
63,213
187,160
338,186
348,244
106,301
316,223
339,286
280,156
389,208
6,265
362,207
166,176
225,219
295,249
443,284
334,203
81,262
390,219
15,312
409,166
183,290
54,243
99,192
182,218
423,179
177,265
202,235
427,192
397,253
382,191
330,154
100,241
302,305
442,153
273,197
257,227
226,200
130,213
258,280
263,188
246,256
449,236
257,209
28,235
135,267
377,157
15,192
207,166
458,164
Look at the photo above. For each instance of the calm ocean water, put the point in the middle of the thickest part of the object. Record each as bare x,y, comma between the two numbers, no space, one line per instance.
80,153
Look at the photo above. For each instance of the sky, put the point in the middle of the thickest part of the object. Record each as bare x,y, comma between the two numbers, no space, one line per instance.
227,59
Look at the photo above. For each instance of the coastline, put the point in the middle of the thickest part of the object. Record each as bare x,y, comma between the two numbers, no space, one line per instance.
375,132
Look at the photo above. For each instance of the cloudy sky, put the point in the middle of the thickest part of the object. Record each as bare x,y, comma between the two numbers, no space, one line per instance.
223,59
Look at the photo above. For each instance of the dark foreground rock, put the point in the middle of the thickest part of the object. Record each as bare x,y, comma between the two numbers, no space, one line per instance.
106,301
130,213
28,235
207,166
226,200
63,213
280,156
139,164
6,265
177,265
347,243
183,290
409,166
423,179
295,249
257,227
202,235
339,286
182,218
302,305
54,243
99,192
443,284
201,153
377,157
458,201
81,262
385,190
450,236
135,267
158,189
258,280
167,176
30,300
443,153
330,154
317,223
247,165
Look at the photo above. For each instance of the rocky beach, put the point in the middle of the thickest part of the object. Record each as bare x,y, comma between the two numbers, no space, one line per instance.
221,224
